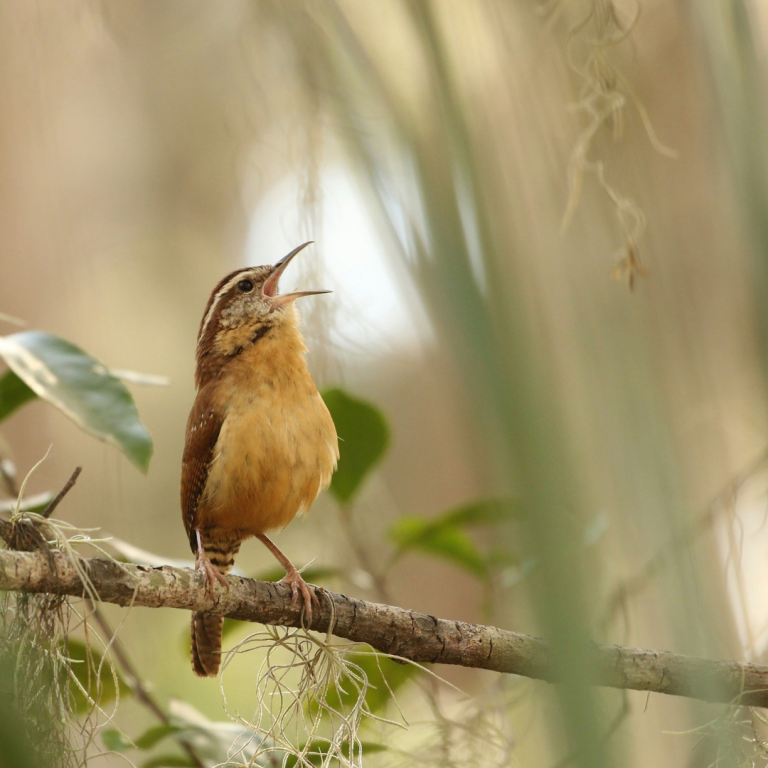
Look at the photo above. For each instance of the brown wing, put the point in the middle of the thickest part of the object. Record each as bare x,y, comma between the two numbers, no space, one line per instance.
203,430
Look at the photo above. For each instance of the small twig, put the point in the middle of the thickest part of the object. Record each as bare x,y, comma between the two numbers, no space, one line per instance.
62,493
137,685
22,534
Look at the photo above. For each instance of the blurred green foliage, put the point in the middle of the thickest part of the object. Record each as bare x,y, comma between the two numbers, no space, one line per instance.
46,366
317,752
100,680
168,761
116,741
440,538
363,439
385,677
16,747
445,536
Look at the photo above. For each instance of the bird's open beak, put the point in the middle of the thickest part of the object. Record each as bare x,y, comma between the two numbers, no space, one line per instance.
269,289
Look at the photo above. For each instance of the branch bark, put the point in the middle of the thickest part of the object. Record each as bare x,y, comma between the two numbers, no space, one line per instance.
393,630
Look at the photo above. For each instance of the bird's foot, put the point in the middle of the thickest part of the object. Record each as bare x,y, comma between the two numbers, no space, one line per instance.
297,584
211,574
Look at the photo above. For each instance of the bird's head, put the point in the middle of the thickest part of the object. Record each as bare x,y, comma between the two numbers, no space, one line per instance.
245,305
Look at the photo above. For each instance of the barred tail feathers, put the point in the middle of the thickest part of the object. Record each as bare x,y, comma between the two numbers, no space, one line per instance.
206,643
206,628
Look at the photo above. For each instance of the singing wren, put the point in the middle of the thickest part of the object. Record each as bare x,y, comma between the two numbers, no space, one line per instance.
260,442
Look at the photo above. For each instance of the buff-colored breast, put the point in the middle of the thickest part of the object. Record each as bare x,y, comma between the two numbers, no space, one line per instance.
277,448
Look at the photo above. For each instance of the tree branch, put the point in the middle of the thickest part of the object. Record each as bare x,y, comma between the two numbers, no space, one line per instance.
390,629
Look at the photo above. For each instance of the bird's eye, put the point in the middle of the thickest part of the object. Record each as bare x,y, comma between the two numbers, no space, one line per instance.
245,286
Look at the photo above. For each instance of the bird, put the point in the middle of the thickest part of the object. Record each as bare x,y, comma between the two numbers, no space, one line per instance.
260,442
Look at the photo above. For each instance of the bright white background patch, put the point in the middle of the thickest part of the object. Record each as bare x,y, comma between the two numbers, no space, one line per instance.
377,310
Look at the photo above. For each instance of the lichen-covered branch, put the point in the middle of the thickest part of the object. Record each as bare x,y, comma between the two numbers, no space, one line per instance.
390,629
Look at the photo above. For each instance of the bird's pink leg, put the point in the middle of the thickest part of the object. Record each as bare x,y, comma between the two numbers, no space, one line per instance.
292,577
211,574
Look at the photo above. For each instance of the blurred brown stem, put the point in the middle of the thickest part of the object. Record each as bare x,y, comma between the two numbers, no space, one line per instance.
379,578
136,684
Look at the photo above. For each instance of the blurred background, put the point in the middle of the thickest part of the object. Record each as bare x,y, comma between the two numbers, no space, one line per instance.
544,225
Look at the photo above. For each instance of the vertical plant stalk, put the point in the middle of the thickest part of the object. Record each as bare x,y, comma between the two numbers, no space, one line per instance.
137,685
379,578
480,318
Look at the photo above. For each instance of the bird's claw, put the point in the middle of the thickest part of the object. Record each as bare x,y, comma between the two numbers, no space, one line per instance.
296,582
211,574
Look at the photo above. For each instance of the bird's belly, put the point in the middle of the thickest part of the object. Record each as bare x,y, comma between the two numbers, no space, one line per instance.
271,461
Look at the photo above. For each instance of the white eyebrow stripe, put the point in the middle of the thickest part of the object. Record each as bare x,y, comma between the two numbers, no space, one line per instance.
218,297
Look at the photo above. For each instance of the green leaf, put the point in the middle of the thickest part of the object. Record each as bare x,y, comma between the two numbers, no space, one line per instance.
363,439
385,677
81,387
84,666
115,741
314,756
318,751
155,735
444,536
168,761
445,540
482,512
143,379
369,747
13,394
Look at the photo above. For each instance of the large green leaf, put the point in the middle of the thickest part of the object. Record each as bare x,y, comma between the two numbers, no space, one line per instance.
81,387
13,394
363,438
